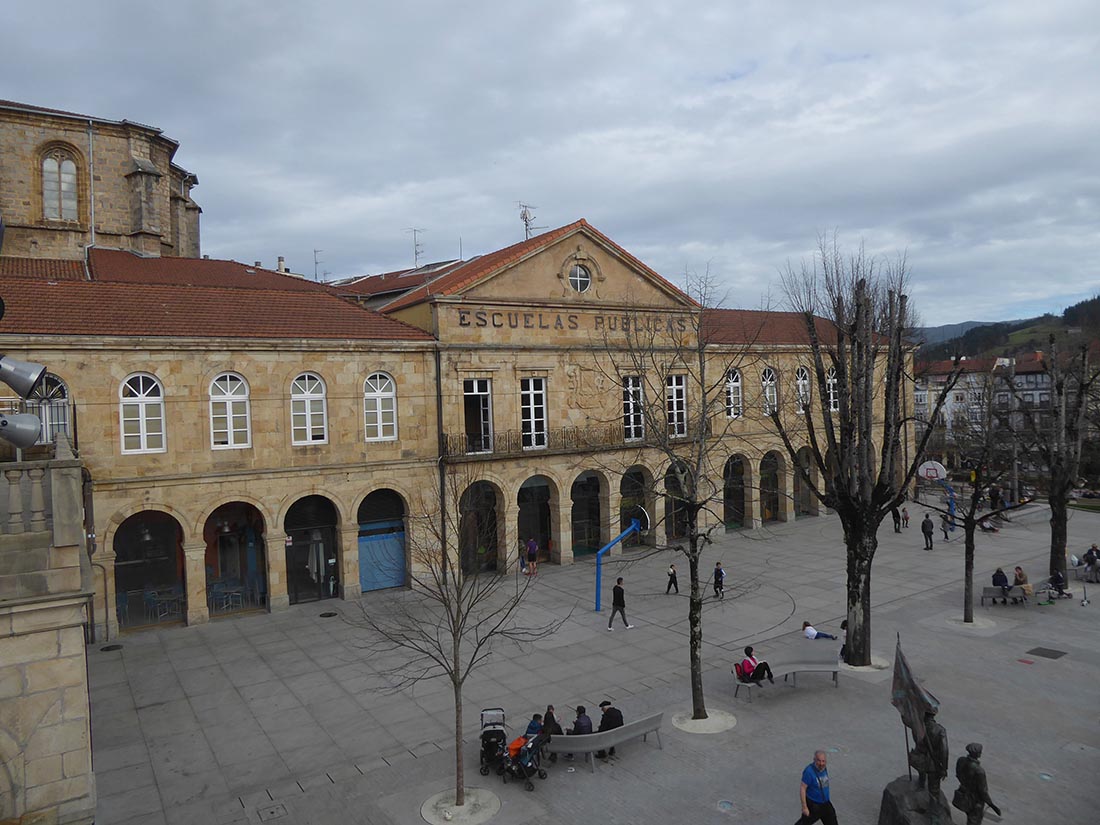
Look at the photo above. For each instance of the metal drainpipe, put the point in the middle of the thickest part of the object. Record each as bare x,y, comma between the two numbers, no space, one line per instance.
91,183
442,454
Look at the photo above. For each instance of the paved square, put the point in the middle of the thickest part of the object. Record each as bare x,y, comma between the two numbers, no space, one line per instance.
278,718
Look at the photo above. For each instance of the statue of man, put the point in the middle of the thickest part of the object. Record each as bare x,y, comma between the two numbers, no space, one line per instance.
930,758
973,793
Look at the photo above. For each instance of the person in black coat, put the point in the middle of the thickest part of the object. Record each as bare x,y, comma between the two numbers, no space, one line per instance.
612,718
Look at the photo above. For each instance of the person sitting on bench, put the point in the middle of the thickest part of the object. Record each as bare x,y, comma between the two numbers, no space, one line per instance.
753,670
1001,580
1058,582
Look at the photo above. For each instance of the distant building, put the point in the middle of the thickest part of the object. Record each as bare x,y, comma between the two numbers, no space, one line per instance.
69,181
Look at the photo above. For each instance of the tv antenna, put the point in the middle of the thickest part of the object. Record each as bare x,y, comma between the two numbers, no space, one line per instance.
528,218
316,261
418,250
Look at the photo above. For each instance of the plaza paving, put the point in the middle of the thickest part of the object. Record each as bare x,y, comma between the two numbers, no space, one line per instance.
277,718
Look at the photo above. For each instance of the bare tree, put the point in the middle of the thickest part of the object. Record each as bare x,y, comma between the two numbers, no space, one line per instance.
1056,432
448,622
856,315
674,379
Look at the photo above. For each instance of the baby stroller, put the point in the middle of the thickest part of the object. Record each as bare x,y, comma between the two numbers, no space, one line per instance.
524,759
494,739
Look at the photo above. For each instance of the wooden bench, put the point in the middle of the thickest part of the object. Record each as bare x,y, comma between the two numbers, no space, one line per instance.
590,743
810,656
994,593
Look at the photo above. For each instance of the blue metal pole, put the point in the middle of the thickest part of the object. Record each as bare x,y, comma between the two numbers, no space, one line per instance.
635,526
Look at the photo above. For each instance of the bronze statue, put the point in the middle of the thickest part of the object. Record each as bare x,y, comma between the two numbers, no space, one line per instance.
973,794
930,759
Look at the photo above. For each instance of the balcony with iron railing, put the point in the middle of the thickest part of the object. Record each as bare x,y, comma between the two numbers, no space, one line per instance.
472,446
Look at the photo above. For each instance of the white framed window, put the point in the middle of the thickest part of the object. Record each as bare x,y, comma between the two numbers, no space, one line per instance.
633,413
380,408
533,412
477,405
59,193
676,405
769,390
308,410
802,388
830,387
50,402
735,407
141,414
230,413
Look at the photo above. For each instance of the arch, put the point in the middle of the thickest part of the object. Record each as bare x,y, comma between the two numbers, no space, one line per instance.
635,495
149,569
383,561
733,492
805,502
537,498
677,516
236,558
479,527
588,494
62,180
771,486
312,571
118,518
49,400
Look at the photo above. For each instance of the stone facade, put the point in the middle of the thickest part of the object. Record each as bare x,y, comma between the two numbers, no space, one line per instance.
124,177
45,748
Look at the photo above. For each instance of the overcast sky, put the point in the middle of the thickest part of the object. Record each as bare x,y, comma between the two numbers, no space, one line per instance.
695,134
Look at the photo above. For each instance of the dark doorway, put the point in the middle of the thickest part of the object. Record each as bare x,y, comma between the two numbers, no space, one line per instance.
677,517
477,541
236,562
382,562
149,570
585,515
312,572
534,514
733,493
632,493
769,488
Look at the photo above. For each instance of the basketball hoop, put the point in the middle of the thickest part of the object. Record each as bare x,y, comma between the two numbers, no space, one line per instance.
643,521
932,471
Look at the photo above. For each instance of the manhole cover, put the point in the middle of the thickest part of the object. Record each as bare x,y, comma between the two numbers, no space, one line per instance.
272,812
328,614
725,806
1046,652
109,648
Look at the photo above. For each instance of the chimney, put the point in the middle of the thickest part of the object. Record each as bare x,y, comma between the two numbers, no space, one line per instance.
206,257
281,266
258,264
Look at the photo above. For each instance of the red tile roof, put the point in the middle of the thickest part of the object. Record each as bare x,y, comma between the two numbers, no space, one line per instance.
43,268
182,297
398,281
469,273
750,326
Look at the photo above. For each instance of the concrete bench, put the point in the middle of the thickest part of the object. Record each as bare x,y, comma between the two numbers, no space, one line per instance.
994,593
809,656
590,743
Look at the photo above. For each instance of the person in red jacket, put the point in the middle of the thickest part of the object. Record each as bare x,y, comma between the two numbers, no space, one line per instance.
753,670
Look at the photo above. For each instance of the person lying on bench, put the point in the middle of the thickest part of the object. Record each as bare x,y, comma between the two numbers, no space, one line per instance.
811,633
753,670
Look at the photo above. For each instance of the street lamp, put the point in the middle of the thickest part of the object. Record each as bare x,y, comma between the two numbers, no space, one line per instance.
21,429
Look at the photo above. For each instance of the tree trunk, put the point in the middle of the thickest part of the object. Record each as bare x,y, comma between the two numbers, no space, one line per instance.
968,575
695,634
861,551
460,767
1058,517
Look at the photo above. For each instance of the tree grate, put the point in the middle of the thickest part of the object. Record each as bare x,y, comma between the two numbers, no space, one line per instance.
1046,652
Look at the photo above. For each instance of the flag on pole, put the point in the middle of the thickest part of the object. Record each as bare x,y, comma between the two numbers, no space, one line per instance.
911,700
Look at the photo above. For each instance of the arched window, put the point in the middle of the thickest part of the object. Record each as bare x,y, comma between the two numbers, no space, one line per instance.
380,408
768,382
802,388
50,402
308,410
59,186
734,406
230,414
830,386
141,414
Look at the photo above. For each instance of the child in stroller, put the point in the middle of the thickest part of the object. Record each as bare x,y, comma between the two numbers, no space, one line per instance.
524,759
494,738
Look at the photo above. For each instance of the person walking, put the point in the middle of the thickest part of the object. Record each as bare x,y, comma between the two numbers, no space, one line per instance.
618,604
672,580
814,793
928,528
905,517
532,556
896,515
945,525
719,581
972,796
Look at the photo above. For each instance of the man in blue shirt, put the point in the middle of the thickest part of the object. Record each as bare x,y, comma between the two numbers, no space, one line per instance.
815,793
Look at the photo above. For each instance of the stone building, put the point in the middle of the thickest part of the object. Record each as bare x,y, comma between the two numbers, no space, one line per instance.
68,181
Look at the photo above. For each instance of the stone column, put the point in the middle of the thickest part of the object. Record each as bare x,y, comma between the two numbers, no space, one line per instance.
561,522
753,521
194,583
786,494
508,536
348,560
611,519
275,547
